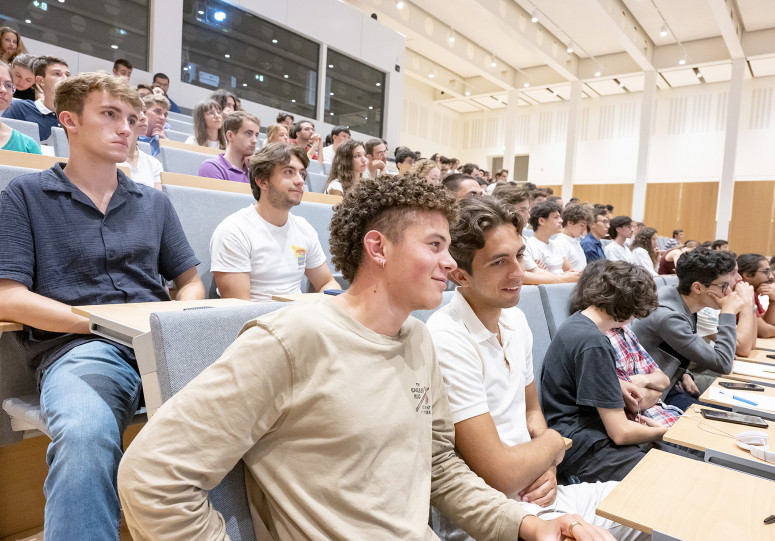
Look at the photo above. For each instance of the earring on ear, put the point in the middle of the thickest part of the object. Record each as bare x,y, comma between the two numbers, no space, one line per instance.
383,263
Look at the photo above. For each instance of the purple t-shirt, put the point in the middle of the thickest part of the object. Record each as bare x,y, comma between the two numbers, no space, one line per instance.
221,168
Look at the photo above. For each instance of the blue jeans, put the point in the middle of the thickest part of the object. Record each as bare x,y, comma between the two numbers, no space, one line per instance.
87,398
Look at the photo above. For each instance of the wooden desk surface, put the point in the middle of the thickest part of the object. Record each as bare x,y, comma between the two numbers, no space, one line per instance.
9,326
35,161
694,431
137,315
766,343
757,356
691,500
191,148
705,397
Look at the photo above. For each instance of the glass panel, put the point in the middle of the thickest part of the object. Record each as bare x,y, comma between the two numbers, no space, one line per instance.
355,94
108,29
224,47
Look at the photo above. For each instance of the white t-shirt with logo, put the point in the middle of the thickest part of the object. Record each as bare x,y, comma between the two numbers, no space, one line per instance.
275,257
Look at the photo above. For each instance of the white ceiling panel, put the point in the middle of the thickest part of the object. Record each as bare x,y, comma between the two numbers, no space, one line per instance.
718,73
634,83
684,77
541,95
757,14
763,67
606,87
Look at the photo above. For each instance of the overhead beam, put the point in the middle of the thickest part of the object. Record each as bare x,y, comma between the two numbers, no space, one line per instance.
515,22
420,67
620,23
730,24
414,20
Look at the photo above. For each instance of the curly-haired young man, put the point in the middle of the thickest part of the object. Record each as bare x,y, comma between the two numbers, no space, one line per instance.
582,397
337,407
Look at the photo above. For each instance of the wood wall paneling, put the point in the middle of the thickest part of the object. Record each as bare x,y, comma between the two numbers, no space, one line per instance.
753,211
618,195
697,210
662,200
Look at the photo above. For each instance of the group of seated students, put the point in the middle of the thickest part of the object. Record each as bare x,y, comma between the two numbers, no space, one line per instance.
350,416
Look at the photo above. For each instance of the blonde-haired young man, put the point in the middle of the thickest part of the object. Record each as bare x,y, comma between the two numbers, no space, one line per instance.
83,233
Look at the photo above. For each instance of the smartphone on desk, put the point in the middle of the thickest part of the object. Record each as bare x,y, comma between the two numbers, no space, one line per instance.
730,417
741,386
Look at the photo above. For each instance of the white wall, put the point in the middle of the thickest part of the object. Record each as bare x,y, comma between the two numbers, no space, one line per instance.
687,141
328,22
427,126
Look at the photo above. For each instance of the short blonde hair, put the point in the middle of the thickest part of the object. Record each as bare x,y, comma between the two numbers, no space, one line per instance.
73,91
152,98
421,168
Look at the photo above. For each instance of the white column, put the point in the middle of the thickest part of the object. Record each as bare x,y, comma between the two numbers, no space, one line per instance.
510,143
644,144
726,187
166,33
571,141
321,101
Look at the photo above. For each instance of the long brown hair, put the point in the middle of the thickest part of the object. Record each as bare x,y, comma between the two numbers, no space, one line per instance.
200,123
643,240
342,166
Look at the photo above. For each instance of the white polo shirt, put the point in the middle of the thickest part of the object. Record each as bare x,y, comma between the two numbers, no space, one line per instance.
548,252
473,363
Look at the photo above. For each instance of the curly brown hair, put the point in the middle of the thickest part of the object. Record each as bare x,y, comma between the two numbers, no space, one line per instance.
621,289
386,205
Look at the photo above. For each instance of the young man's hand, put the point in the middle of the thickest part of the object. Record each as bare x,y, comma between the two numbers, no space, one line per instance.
689,386
746,292
632,395
543,490
573,526
764,289
730,304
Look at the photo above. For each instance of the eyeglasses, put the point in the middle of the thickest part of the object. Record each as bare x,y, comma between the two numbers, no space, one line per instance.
724,286
213,112
9,86
765,272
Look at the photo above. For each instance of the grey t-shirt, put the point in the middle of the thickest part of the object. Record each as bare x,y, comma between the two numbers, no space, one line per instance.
579,376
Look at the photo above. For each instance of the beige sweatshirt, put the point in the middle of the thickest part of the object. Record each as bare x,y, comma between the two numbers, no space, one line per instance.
345,433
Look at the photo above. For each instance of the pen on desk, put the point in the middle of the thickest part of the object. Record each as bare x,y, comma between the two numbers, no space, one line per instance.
741,399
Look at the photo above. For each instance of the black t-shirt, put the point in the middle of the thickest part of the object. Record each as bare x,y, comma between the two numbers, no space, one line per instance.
28,94
579,376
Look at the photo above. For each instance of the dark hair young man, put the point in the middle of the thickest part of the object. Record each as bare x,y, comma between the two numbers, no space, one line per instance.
263,249
241,130
339,134
598,228
585,402
705,278
755,270
619,230
339,412
164,83
499,428
49,72
122,68
83,233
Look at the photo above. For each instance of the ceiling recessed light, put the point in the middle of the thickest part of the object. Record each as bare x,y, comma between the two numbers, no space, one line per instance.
27,21
244,84
114,46
430,75
379,84
331,113
330,93
274,41
331,66
526,84
371,107
185,69
493,64
682,61
598,74
699,74
227,56
285,76
200,12
293,101
399,4
468,92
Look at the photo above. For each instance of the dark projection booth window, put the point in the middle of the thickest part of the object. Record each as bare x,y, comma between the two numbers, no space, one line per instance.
224,47
355,94
107,29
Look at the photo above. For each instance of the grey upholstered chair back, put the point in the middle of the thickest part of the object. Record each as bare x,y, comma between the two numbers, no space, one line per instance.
143,146
200,212
555,298
59,140
27,128
180,136
10,172
181,126
423,315
185,343
17,385
531,304
180,116
176,160
316,182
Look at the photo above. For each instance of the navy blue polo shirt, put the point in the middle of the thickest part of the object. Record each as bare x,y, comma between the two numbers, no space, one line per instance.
56,242
593,248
